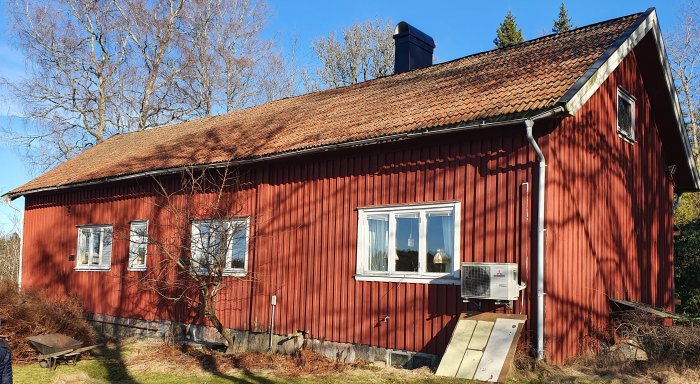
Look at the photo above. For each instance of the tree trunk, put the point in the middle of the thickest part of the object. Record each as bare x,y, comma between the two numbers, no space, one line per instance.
210,313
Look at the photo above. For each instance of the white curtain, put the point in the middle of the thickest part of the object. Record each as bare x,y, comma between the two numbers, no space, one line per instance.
378,243
448,234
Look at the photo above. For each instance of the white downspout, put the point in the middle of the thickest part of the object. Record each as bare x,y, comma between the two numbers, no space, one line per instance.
529,123
540,238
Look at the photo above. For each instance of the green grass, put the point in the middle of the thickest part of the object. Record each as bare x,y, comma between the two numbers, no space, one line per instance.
96,371
106,366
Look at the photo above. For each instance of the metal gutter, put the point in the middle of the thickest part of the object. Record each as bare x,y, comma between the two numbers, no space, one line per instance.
282,155
541,186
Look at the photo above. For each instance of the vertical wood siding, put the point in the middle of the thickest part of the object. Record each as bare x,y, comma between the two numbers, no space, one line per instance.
304,234
609,216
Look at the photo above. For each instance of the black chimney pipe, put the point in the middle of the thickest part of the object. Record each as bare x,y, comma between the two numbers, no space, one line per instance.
414,49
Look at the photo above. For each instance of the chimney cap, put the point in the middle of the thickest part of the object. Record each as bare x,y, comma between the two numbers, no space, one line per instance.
404,28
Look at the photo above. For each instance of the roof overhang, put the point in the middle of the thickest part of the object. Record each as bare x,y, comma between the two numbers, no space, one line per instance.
466,126
574,99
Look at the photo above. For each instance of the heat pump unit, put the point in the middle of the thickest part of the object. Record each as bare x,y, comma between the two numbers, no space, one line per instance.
495,281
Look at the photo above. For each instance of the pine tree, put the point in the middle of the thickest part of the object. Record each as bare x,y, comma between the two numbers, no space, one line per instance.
508,32
563,23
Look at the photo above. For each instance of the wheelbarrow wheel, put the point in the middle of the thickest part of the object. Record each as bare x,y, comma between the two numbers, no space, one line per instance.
44,364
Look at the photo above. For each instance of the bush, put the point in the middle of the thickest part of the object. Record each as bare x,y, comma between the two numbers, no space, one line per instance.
677,345
687,269
26,314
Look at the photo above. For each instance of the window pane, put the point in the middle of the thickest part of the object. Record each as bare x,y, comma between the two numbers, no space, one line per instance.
378,242
218,245
440,239
407,243
83,246
96,243
200,234
138,244
624,115
238,246
106,246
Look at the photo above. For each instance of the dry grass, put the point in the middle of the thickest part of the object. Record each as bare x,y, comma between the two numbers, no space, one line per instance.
302,363
605,368
27,314
677,346
672,356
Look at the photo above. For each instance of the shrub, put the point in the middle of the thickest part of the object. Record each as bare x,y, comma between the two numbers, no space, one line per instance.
26,314
677,345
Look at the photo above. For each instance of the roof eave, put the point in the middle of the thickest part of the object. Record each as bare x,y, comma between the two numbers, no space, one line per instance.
574,99
465,126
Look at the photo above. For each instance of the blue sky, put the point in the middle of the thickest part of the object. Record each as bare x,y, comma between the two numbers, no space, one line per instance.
459,28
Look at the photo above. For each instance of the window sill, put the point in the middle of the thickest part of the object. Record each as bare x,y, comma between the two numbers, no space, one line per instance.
136,269
225,273
446,279
235,273
92,269
626,137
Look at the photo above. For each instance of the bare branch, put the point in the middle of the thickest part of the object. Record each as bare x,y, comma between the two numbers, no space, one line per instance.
366,51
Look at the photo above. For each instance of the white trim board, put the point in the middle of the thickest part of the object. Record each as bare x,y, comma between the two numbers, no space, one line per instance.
574,99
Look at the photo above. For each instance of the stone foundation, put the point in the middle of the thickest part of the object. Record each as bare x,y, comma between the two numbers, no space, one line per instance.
120,327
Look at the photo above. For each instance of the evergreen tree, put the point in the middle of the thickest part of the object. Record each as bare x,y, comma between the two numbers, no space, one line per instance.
563,23
508,32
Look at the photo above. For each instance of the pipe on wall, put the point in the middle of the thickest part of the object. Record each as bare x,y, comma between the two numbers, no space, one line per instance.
529,124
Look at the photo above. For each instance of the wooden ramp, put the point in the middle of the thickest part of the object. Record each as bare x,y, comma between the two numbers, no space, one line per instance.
482,347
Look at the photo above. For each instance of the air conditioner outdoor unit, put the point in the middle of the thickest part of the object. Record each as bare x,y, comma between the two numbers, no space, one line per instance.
495,281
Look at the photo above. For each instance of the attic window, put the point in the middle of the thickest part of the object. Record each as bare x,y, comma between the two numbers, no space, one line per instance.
625,115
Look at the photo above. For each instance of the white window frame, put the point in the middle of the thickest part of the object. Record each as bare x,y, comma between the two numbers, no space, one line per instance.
105,258
622,94
363,273
227,271
134,241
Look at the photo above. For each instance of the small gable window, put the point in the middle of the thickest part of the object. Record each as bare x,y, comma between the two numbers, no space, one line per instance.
625,115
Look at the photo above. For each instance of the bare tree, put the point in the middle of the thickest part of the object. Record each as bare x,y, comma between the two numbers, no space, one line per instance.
75,51
154,64
228,59
10,248
96,68
684,53
364,51
201,240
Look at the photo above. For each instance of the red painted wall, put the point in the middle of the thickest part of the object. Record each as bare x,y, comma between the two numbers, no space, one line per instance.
608,220
609,214
303,247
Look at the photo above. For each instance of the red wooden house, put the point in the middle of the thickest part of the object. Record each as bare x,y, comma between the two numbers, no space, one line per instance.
349,193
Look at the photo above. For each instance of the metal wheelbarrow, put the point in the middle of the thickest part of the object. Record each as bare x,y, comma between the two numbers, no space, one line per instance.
53,347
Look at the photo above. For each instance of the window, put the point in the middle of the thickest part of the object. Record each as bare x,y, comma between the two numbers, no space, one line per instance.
94,248
220,246
625,115
138,243
412,243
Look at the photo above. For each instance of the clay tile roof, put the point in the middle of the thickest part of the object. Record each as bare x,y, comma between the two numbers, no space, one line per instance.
497,84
